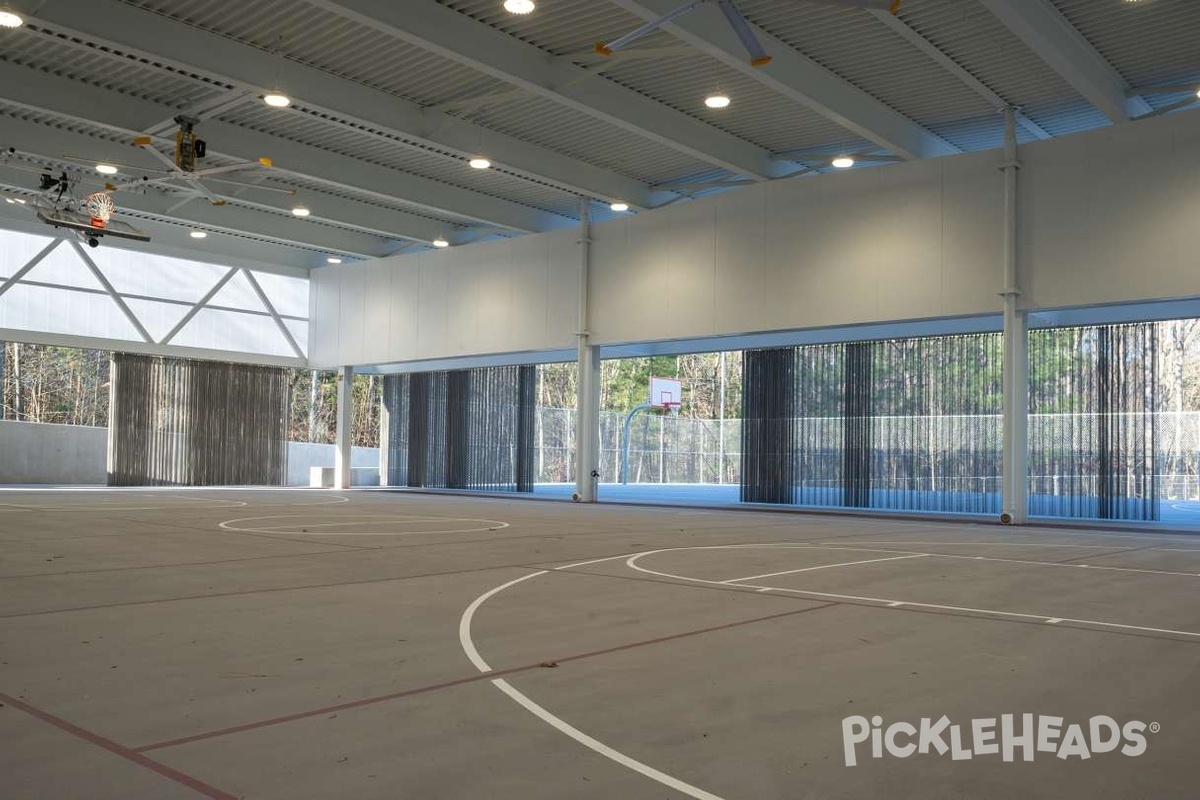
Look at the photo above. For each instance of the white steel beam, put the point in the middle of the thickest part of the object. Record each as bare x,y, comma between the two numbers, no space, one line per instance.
129,116
130,29
29,265
1049,34
266,301
441,30
108,287
798,78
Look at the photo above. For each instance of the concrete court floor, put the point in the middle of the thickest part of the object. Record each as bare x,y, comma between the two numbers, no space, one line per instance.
309,644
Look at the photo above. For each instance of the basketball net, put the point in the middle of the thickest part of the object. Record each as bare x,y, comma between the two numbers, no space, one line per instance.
100,206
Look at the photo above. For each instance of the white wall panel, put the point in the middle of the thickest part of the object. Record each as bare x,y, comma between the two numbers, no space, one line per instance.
1106,217
1111,216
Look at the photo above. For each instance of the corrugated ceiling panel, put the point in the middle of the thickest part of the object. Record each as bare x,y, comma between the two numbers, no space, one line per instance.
331,43
560,26
858,47
1153,42
43,49
549,124
756,113
972,36
318,132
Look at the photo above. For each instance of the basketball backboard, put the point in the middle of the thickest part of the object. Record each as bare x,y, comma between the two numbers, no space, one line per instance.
73,220
666,392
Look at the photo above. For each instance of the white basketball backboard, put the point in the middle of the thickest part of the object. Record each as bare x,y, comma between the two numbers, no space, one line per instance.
665,392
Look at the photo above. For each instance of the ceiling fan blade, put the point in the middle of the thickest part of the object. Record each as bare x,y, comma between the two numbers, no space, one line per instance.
758,56
631,37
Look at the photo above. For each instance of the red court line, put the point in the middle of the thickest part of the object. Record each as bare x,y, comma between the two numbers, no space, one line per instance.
120,750
482,676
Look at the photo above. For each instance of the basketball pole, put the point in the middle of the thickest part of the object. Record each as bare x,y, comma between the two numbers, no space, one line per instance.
587,410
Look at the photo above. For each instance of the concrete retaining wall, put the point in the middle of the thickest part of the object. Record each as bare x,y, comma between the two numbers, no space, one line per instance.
31,452
75,455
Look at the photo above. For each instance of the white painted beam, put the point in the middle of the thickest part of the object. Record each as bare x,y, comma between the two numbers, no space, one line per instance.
193,50
1049,34
441,30
129,116
799,78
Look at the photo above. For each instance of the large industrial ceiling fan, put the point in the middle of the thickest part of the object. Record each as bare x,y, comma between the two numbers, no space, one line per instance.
758,56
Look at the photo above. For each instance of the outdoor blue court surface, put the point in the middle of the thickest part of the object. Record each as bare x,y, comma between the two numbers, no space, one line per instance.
1181,514
313,644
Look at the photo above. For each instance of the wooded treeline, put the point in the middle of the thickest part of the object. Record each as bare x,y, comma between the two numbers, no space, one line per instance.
64,385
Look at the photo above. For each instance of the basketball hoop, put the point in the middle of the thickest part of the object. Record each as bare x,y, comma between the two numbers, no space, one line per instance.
100,206
672,407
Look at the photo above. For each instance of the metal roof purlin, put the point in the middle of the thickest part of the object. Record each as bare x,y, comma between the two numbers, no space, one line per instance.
1047,33
128,28
448,33
795,76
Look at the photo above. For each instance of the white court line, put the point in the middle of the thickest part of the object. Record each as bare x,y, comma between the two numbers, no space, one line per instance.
631,562
468,646
823,566
593,561
600,747
490,525
1000,544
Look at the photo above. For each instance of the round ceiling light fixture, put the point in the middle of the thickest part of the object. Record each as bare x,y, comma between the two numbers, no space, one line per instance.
301,211
479,162
333,260
519,6
440,242
277,100
717,100
197,234
843,162
106,169
9,18
620,206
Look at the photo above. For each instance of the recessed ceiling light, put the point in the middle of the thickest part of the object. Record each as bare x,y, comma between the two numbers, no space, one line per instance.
301,211
18,200
519,6
197,234
440,242
479,163
106,169
333,260
277,100
843,162
717,100
8,19
620,206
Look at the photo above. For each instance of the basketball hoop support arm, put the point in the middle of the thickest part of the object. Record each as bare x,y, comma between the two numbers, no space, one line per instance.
625,440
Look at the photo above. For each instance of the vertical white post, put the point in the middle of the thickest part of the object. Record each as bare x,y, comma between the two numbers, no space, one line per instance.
345,420
587,410
1016,347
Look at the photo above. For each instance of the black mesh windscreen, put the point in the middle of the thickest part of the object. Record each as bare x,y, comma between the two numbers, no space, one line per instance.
174,422
462,429
769,426
1093,394
897,424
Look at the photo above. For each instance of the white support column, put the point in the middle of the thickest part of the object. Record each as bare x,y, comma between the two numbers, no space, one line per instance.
587,408
1016,348
345,420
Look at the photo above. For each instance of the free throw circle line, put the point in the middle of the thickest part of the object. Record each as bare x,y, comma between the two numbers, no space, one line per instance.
556,722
